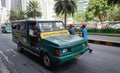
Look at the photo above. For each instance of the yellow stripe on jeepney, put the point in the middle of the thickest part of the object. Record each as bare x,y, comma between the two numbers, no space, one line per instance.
54,33
16,34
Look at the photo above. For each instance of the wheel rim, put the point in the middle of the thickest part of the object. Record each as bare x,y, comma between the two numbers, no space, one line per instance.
46,60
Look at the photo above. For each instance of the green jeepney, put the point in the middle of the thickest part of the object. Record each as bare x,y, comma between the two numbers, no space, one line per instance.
55,44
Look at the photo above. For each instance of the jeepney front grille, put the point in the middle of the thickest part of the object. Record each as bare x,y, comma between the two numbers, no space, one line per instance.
78,47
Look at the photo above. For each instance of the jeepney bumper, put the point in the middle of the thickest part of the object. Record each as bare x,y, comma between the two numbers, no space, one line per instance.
63,59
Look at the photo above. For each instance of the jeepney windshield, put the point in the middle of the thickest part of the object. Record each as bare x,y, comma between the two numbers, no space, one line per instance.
51,26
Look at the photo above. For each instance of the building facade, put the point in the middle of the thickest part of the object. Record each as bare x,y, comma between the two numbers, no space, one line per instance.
46,6
82,5
4,10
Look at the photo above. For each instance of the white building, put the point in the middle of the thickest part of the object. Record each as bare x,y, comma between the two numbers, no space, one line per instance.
46,6
82,5
4,10
16,4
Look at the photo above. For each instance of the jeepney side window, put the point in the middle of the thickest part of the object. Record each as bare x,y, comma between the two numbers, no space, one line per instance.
14,26
22,26
40,26
18,26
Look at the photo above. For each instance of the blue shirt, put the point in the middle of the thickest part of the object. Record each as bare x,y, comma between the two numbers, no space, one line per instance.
85,34
72,32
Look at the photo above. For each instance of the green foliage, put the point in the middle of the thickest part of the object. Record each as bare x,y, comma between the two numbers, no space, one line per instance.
64,7
89,16
113,2
94,30
98,8
79,17
17,15
33,9
115,13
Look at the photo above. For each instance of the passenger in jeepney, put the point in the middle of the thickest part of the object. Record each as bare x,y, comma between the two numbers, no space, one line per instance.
71,29
33,35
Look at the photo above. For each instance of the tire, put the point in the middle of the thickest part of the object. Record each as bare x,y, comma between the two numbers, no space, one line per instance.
47,61
20,49
2,31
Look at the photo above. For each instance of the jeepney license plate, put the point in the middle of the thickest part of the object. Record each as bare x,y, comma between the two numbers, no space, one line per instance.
77,56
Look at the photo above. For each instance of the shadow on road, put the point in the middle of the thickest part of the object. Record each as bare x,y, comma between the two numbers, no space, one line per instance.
57,68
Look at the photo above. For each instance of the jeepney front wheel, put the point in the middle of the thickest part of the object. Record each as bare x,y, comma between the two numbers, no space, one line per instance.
47,61
20,49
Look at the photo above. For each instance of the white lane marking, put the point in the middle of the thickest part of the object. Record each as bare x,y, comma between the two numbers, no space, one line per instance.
6,58
8,50
3,68
14,51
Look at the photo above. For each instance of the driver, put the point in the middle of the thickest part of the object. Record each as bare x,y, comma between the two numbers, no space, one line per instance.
33,35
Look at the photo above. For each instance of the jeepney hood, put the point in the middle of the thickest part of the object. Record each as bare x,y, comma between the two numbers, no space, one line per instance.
63,41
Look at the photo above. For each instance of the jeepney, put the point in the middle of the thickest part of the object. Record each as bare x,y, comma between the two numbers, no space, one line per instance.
55,44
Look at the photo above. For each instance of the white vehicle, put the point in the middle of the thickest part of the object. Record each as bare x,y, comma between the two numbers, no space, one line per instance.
116,26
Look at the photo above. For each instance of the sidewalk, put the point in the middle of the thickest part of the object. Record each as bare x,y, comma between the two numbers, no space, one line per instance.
105,40
3,68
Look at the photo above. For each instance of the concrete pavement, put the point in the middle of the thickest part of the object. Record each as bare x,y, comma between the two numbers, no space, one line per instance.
3,67
104,59
105,40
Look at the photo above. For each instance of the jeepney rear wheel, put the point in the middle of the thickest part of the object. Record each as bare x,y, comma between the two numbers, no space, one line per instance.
20,49
47,61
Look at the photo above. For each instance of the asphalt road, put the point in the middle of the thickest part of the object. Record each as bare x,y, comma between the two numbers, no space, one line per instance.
104,59
106,38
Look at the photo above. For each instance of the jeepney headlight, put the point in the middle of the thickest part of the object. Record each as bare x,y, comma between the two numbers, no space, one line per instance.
83,45
64,50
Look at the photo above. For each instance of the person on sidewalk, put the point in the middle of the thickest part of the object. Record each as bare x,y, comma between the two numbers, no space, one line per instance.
84,34
71,30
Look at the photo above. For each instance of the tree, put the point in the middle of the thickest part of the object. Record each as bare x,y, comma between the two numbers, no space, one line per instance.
79,17
22,15
33,9
65,7
13,15
17,15
115,13
99,8
113,2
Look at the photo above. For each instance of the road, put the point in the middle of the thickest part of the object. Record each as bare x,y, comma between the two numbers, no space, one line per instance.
104,59
106,38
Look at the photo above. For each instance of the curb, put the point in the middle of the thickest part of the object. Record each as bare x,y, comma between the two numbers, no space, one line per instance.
109,43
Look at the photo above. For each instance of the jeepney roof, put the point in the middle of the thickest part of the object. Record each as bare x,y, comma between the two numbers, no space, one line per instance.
36,20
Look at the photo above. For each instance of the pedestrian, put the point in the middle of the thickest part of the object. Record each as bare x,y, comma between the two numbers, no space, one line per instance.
71,29
84,34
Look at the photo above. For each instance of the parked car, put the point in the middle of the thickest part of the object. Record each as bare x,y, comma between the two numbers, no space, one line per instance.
6,28
115,26
101,25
